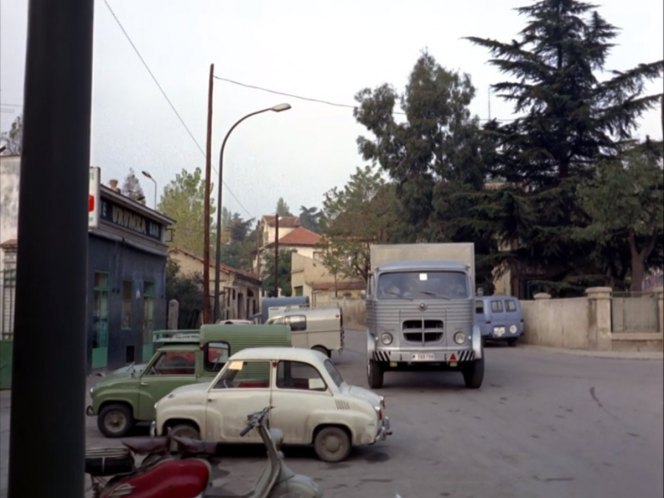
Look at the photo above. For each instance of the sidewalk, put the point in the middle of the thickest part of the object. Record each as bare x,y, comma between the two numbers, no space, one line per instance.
626,355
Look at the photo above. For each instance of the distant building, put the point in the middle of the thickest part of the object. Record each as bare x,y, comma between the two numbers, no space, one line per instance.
309,277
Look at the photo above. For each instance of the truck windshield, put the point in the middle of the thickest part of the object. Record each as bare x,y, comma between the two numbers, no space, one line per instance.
423,285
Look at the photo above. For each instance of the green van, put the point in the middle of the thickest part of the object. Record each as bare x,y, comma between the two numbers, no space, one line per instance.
127,395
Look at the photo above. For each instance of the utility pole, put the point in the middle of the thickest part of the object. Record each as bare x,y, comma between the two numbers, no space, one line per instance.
206,210
276,255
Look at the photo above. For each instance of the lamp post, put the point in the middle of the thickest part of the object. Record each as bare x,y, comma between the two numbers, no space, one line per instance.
276,255
276,108
148,175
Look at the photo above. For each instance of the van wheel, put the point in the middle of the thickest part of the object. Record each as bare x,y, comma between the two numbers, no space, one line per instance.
322,349
332,444
374,374
115,420
473,374
511,342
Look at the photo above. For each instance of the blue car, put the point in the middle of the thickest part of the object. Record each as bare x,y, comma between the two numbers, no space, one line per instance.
499,318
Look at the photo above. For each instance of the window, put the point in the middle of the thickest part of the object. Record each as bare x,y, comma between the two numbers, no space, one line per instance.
297,322
126,305
245,375
216,355
510,305
297,375
497,306
174,363
148,311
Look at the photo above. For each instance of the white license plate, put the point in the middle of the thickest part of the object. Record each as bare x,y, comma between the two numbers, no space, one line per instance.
423,357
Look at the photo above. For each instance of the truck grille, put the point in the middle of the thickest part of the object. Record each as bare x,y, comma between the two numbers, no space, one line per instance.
423,330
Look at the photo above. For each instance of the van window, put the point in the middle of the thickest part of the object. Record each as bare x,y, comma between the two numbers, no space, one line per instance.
479,306
297,322
497,306
510,305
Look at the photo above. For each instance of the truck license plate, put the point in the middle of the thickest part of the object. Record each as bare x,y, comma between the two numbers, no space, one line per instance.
423,357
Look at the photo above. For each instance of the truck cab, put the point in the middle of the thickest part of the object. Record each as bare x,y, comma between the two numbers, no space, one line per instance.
128,395
420,317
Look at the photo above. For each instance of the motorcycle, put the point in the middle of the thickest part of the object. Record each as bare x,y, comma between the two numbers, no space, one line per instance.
161,473
277,479
173,467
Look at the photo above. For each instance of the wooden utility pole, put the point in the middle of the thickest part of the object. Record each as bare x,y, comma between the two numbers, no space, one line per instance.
276,255
206,211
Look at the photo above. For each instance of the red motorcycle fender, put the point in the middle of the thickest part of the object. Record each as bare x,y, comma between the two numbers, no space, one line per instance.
186,478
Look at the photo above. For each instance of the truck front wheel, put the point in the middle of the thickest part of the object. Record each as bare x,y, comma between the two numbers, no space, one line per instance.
473,374
374,374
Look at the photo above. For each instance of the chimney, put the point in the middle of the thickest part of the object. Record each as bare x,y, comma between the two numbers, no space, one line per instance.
114,185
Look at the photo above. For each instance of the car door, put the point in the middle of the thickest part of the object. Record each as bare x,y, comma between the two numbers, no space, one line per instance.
243,388
299,395
167,370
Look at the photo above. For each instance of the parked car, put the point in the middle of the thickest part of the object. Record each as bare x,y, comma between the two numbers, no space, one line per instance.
312,404
128,394
499,318
316,328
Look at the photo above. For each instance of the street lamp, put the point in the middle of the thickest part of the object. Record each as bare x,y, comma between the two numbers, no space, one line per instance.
276,108
148,175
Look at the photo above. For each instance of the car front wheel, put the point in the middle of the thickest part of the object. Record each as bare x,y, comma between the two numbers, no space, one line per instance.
332,444
115,420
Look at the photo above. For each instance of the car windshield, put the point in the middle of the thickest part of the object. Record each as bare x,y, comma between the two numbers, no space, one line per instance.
423,284
334,373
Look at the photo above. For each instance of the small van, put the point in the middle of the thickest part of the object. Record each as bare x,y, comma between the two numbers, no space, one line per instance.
499,318
314,328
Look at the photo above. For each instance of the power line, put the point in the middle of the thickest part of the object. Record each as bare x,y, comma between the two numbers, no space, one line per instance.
163,92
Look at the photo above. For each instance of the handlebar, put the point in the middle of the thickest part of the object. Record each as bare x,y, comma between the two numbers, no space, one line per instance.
255,419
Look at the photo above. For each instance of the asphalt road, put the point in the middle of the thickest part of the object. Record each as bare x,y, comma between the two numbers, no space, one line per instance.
544,424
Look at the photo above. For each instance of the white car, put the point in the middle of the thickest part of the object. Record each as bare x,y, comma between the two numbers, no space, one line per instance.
311,403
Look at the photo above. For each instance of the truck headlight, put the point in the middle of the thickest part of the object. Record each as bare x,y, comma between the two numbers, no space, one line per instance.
513,329
459,337
386,338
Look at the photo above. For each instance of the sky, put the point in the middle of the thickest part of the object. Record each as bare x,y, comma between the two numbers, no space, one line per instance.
154,119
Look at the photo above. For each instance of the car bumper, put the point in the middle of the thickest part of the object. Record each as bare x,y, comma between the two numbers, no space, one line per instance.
384,430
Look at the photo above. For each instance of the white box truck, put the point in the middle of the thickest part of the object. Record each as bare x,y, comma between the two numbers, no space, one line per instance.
420,300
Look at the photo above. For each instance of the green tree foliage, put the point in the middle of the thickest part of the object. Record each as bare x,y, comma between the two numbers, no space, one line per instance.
12,140
283,275
437,143
188,291
239,241
362,213
571,116
131,187
282,208
184,201
310,218
571,119
625,203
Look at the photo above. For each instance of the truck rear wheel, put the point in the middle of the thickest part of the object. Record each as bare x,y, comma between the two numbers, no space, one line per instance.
473,374
374,374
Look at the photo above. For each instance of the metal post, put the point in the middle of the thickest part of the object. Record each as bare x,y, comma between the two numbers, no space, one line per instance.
49,357
148,175
276,108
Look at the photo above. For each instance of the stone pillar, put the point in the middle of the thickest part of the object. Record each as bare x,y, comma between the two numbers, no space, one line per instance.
173,314
659,297
599,305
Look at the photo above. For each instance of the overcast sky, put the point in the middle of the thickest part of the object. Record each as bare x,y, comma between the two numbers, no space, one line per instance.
324,50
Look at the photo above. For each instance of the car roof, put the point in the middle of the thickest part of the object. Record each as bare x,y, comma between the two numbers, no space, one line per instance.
277,353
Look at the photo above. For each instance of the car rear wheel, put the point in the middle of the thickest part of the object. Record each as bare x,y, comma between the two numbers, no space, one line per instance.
115,420
332,444
473,374
184,430
374,374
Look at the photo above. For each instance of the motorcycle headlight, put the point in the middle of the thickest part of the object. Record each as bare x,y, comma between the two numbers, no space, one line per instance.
386,338
459,337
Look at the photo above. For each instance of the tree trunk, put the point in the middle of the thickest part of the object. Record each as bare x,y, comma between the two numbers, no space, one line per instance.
638,260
